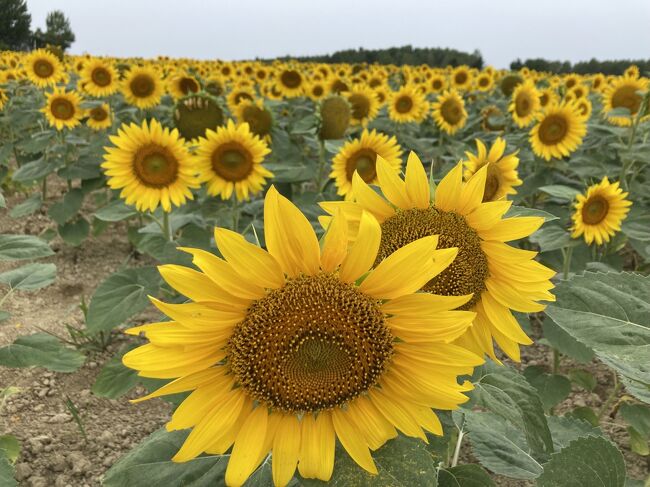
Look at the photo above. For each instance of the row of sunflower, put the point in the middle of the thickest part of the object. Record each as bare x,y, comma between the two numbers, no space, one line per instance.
356,296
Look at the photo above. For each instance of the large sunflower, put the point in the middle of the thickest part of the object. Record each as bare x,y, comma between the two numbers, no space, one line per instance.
99,117
99,78
525,104
284,350
449,112
142,87
558,132
334,113
194,114
290,82
359,155
230,160
63,108
598,213
257,116
623,93
182,84
239,94
43,68
484,82
151,165
364,104
407,105
498,276
502,176
461,78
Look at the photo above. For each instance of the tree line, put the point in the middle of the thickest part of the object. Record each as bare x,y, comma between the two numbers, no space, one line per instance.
617,66
16,28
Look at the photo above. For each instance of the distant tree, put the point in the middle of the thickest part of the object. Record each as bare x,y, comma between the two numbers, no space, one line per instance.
57,31
15,22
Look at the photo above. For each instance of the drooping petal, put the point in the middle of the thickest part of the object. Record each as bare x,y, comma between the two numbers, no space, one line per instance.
417,183
370,200
248,446
352,441
335,243
363,252
391,185
286,447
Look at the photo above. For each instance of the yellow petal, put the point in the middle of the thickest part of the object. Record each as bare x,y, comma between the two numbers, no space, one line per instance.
286,447
308,461
248,446
352,440
374,427
391,185
335,246
488,214
416,305
472,193
370,200
195,285
449,190
397,415
363,252
326,441
417,182
253,263
187,383
513,228
199,315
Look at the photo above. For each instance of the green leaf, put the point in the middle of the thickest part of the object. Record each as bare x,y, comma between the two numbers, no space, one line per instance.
116,211
41,350
637,416
565,194
3,202
505,392
591,461
565,429
552,237
565,343
27,207
6,471
74,232
115,379
500,447
64,210
4,315
638,444
33,171
523,211
151,460
29,277
637,224
120,296
584,413
11,447
552,388
20,247
470,475
583,378
609,313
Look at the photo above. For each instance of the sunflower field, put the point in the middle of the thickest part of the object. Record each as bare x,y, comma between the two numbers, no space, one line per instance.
283,273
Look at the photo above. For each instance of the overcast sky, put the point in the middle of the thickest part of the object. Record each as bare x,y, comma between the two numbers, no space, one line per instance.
243,29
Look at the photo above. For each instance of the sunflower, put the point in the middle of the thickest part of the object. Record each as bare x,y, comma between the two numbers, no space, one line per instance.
99,117
383,94
239,95
283,350
547,96
502,176
316,90
142,87
182,84
499,277
338,84
290,82
230,160
258,118
99,78
334,114
195,114
525,104
449,112
62,108
584,108
632,71
509,82
558,132
437,83
598,82
359,156
407,105
622,93
364,104
484,82
43,68
461,78
152,166
492,119
599,213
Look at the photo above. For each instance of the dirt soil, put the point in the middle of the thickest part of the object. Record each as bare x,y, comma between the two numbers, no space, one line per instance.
54,452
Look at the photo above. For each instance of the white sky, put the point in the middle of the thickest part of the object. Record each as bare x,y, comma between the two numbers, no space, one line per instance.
502,30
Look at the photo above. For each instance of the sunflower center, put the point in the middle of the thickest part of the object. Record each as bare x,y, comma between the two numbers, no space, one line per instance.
360,106
195,114
43,68
436,84
451,112
259,120
469,270
188,85
461,78
492,182
291,79
98,114
595,210
232,162
155,166
626,97
240,97
317,91
404,104
62,108
142,86
483,81
101,77
522,105
553,129
364,162
339,86
314,344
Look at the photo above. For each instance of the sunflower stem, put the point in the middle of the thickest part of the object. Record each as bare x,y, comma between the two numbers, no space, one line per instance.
459,442
628,163
567,252
610,398
44,189
321,164
235,214
166,227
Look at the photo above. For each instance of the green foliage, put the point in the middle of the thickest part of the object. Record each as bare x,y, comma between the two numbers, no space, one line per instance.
15,23
29,277
41,350
470,475
592,66
20,247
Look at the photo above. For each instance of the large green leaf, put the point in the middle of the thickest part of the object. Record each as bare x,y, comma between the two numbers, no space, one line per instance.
41,350
515,211
552,237
500,447
6,471
74,232
11,447
505,392
470,475
565,343
609,313
637,416
34,170
565,430
120,296
64,210
19,247
115,379
552,388
116,211
592,461
29,277
27,207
